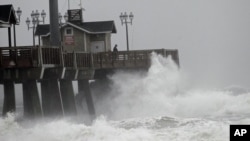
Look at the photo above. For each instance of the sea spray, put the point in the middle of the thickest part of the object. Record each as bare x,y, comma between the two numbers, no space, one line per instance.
211,103
136,94
158,93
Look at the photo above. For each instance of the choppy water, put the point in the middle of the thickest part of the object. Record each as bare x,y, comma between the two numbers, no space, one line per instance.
149,106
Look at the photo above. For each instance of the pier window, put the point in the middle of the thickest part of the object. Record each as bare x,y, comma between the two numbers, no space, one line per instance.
69,31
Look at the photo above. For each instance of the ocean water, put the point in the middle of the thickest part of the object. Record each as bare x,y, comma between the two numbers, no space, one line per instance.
152,106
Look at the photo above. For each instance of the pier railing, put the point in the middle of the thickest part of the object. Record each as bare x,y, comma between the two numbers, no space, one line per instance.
50,56
21,57
121,59
129,59
18,57
77,60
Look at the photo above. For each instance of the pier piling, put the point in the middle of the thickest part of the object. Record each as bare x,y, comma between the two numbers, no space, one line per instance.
68,99
31,101
51,98
9,104
84,89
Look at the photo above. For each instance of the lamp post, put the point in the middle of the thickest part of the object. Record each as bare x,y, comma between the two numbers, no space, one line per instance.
60,32
35,21
19,13
124,19
66,17
61,23
60,18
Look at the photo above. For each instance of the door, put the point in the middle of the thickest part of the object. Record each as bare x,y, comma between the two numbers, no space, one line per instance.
97,46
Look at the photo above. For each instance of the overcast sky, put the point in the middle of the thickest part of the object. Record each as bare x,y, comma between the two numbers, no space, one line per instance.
212,36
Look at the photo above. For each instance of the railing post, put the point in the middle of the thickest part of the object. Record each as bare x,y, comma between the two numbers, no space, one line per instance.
147,58
135,58
125,59
1,57
177,58
91,60
46,55
40,56
74,60
15,54
164,53
61,57
31,56
100,60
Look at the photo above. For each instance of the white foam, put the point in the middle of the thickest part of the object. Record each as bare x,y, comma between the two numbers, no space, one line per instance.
62,130
104,130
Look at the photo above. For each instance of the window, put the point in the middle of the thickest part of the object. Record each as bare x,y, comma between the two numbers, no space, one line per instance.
69,31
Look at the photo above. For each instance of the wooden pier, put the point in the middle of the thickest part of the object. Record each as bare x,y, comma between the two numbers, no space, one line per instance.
55,70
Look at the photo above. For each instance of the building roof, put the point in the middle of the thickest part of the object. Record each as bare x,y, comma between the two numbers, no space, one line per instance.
42,29
7,16
97,27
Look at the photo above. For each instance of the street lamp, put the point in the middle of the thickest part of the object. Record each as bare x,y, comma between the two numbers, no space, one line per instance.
60,23
124,19
35,21
43,15
33,27
66,17
19,13
60,18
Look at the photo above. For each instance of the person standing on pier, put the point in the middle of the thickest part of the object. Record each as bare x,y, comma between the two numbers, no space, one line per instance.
115,51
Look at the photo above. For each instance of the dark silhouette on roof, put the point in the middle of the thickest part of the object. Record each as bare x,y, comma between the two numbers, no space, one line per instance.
89,27
7,15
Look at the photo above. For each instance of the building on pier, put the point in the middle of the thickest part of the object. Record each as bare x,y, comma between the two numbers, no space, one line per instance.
77,35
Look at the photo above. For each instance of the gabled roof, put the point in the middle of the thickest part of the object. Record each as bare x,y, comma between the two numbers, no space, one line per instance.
7,15
97,27
102,26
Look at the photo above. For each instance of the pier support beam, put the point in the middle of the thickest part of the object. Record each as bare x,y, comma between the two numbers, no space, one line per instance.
31,101
68,99
84,89
51,98
9,104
